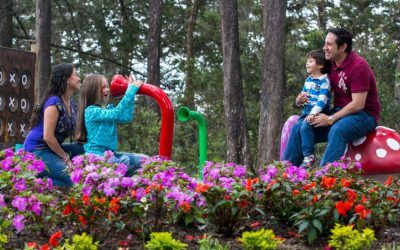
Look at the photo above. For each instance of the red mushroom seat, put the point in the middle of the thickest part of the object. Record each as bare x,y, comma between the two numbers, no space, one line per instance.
378,152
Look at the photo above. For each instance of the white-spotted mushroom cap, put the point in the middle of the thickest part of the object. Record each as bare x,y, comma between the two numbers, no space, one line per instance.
378,152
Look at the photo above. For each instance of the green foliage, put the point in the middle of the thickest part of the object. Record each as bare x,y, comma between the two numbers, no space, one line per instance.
209,243
164,241
347,238
261,239
80,242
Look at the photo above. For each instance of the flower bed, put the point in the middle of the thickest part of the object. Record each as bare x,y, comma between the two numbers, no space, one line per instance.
116,210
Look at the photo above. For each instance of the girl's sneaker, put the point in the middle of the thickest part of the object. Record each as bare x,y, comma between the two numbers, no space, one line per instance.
308,161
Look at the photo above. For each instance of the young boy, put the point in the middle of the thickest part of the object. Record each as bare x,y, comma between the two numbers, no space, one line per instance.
315,97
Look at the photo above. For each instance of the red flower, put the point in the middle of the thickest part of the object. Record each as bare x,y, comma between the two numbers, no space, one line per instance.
201,188
309,186
351,195
85,200
123,244
345,182
249,185
389,181
185,206
343,207
362,211
227,197
53,241
82,220
100,200
363,199
67,209
295,192
271,184
114,205
315,198
189,237
45,247
31,245
255,224
133,193
328,182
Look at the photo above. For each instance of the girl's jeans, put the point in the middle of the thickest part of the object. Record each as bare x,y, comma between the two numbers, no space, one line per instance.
132,160
55,166
347,129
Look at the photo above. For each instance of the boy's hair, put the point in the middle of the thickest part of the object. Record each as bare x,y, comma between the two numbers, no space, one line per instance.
342,37
319,57
89,95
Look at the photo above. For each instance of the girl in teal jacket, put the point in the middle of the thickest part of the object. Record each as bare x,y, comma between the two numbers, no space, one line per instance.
97,121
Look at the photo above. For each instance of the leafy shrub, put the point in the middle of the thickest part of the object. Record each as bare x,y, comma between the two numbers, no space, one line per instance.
164,241
347,238
80,242
261,239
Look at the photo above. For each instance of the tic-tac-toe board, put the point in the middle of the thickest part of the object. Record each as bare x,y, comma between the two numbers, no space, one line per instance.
17,76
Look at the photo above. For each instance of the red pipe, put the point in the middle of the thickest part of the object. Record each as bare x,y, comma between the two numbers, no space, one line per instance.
119,84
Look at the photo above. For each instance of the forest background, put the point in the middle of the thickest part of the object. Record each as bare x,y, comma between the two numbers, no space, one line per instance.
239,63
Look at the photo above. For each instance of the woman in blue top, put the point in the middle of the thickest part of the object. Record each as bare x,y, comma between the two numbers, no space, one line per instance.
97,121
53,121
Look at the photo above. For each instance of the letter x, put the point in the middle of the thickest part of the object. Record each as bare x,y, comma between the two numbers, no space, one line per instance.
11,104
22,130
12,77
9,126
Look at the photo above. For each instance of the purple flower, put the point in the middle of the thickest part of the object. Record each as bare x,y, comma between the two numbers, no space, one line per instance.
8,152
37,166
2,203
49,183
39,184
108,191
28,156
91,167
20,184
18,222
35,205
108,154
19,203
121,169
126,182
76,175
239,171
92,177
6,164
140,192
78,160
87,190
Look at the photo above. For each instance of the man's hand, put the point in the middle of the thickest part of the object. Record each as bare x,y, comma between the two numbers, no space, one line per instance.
302,99
310,118
321,120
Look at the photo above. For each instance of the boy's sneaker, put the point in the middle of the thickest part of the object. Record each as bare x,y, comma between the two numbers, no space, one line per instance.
308,161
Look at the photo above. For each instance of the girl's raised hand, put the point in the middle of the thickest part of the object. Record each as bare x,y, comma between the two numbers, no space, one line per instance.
132,81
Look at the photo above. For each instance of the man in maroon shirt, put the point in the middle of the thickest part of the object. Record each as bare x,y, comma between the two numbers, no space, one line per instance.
356,102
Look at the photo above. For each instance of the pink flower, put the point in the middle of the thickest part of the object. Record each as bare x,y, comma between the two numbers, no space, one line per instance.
20,184
8,152
19,203
6,164
76,175
18,222
126,182
2,203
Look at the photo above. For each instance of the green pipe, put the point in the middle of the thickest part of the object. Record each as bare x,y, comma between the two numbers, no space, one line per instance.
184,114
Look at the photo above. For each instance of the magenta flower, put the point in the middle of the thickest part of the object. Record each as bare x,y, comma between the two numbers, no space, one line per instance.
108,191
140,192
19,222
239,172
2,202
78,160
121,169
76,175
28,156
6,164
126,182
19,203
8,152
20,184
87,190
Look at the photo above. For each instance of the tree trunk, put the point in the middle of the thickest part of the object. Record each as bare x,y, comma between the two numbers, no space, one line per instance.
321,6
273,81
6,27
43,31
154,47
238,150
193,9
397,83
